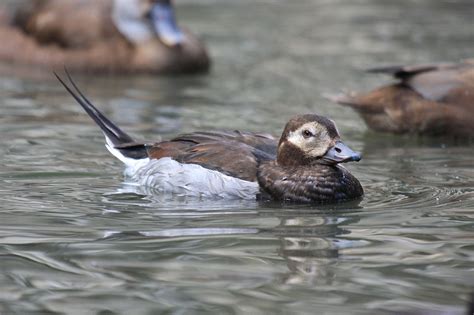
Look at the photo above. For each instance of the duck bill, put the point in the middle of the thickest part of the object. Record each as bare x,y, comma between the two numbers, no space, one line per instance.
341,153
164,23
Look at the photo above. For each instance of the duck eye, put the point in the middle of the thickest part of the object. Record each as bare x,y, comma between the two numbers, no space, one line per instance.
307,134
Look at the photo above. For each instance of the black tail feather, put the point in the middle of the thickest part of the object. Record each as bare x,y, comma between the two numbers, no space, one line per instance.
112,131
121,141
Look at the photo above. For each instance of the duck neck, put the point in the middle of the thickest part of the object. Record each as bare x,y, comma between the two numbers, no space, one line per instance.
289,155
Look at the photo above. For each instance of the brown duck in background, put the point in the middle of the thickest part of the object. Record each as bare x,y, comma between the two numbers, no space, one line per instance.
435,99
100,36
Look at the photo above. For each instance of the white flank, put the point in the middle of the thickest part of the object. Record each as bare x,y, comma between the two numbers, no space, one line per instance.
169,176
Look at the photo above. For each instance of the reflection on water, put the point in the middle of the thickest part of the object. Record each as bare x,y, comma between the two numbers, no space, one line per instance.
75,239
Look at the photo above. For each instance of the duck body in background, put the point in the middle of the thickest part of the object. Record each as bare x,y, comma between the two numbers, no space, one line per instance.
433,99
109,36
303,166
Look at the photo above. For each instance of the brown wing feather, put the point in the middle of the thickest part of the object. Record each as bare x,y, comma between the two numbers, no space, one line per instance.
234,153
229,157
237,135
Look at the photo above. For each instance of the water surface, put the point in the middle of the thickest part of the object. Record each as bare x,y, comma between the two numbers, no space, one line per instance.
74,239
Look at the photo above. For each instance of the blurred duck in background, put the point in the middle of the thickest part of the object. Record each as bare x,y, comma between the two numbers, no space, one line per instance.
433,99
100,36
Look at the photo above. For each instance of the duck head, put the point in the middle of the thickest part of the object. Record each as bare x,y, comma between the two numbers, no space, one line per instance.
312,139
141,20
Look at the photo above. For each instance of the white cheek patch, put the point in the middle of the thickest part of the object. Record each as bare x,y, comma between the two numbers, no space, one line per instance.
296,138
314,146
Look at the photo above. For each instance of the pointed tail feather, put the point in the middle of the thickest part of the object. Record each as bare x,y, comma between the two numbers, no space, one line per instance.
117,141
111,131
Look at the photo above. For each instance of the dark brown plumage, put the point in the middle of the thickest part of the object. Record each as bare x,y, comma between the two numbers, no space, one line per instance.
84,35
300,167
435,100
321,183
